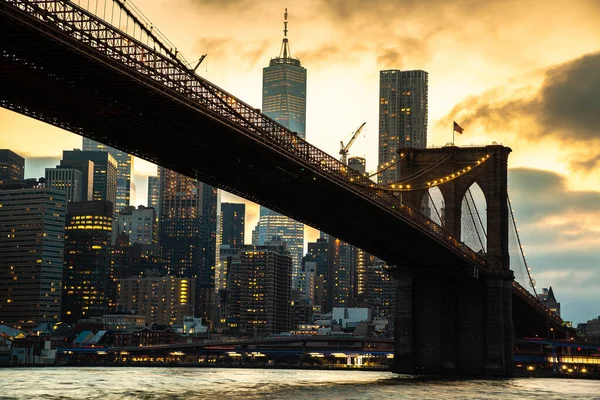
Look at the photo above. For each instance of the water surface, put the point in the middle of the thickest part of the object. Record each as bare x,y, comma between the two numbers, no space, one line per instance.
217,383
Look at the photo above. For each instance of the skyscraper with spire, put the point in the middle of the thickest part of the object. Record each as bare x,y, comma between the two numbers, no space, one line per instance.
284,88
284,100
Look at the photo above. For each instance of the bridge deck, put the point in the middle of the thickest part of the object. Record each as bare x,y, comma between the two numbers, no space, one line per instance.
64,66
87,76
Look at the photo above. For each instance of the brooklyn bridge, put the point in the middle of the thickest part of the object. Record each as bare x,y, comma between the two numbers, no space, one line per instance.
106,75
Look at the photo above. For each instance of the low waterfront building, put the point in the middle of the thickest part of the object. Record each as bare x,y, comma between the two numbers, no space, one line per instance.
350,317
193,326
124,322
146,337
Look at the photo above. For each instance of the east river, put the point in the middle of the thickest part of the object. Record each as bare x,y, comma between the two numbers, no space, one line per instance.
209,383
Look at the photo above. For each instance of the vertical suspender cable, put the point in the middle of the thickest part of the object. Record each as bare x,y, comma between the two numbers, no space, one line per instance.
473,219
478,217
512,218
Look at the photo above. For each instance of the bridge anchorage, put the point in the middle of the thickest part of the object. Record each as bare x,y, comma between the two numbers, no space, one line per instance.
103,73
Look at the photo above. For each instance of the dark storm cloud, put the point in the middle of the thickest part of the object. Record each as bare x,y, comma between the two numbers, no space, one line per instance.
565,253
537,194
570,98
566,107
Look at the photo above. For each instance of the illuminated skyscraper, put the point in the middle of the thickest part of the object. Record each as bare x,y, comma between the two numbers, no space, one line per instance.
284,89
188,233
318,253
180,224
12,166
125,186
341,274
69,180
32,221
154,197
402,117
138,224
360,269
381,292
291,232
233,223
153,192
264,285
87,285
284,100
162,300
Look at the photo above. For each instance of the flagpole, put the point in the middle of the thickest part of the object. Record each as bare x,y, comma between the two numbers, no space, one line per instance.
453,133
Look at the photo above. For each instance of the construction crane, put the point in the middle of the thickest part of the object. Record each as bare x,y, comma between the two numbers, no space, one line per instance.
344,149
200,61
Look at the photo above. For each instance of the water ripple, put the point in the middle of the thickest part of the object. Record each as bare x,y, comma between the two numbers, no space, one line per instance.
215,383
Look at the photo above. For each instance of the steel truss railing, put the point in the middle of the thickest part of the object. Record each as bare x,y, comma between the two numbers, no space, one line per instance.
139,51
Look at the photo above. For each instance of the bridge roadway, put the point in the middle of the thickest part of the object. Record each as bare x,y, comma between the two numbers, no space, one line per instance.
63,65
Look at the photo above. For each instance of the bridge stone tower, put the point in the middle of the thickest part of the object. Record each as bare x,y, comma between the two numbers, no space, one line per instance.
455,318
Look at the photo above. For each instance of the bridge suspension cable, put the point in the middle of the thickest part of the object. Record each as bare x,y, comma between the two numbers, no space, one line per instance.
416,174
520,247
466,199
433,203
407,187
483,228
387,166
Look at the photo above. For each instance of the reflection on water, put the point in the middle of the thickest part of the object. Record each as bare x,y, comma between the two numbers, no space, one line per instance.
206,383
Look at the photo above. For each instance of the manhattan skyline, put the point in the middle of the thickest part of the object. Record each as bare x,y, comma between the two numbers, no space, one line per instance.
501,84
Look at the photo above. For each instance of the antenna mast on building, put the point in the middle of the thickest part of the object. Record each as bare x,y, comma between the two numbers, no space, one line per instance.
285,46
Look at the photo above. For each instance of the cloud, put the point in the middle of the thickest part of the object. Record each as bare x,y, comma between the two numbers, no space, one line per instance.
541,195
585,163
565,107
559,230
396,52
570,98
227,4
228,48
322,54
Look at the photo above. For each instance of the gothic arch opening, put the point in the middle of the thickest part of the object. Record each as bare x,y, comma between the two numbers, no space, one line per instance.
473,220
434,206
